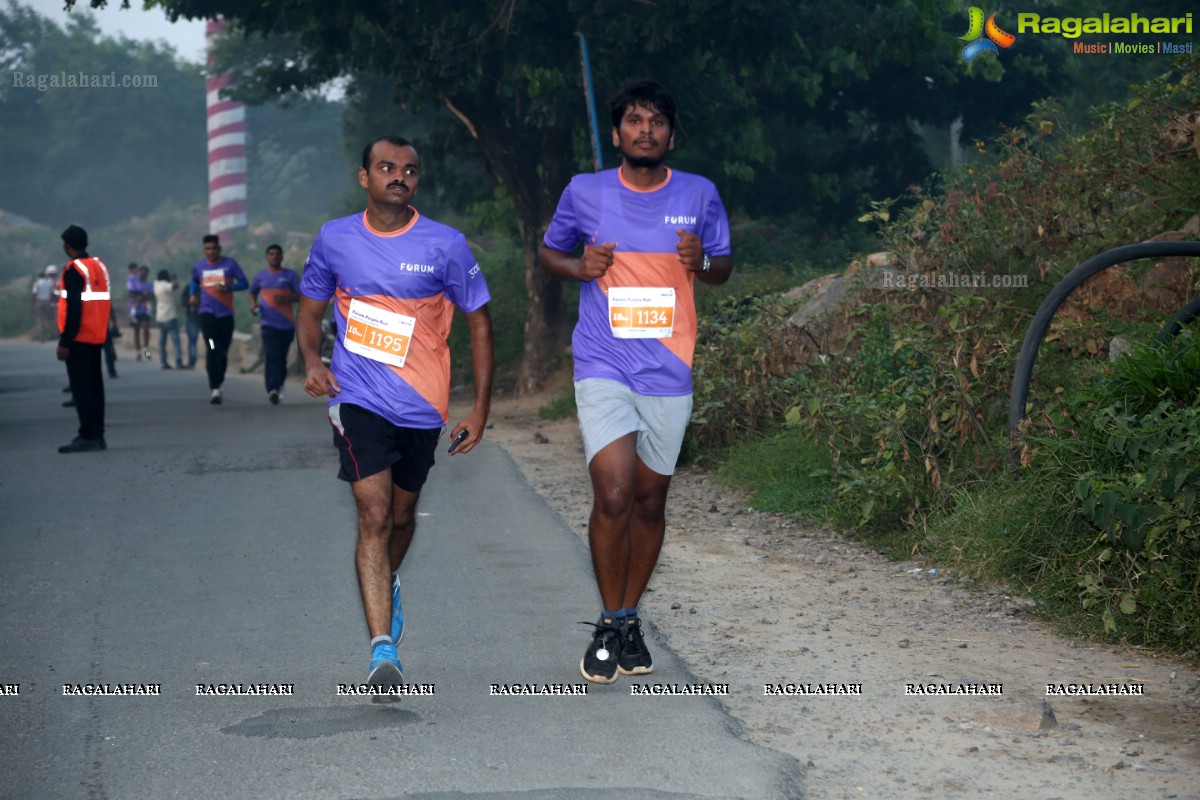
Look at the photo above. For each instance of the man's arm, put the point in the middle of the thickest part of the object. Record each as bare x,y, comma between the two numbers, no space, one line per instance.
73,288
319,381
720,268
592,264
239,279
691,255
479,322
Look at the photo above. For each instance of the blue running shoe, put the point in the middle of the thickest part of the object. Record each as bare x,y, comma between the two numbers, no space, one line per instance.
386,672
397,612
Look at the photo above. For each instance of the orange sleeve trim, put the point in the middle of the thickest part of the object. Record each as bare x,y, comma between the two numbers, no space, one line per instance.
388,234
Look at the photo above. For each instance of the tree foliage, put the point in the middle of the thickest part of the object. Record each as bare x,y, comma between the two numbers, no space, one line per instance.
100,154
509,74
805,112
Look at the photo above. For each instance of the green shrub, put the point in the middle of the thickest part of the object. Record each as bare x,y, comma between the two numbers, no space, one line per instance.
1132,474
911,405
786,473
744,377
560,406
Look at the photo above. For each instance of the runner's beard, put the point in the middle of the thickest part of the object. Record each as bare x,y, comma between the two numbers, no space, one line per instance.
643,162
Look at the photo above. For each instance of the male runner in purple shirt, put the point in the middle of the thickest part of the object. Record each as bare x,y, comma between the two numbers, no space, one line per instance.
217,278
395,277
647,233
274,292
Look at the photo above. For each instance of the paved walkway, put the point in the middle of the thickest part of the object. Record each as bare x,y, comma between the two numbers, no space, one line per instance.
213,545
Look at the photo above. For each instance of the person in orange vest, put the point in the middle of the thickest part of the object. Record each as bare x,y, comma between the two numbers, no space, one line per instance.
83,310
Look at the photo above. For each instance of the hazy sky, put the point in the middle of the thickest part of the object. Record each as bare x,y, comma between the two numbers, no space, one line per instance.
186,38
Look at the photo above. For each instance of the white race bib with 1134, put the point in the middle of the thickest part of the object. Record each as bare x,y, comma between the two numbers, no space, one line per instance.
641,312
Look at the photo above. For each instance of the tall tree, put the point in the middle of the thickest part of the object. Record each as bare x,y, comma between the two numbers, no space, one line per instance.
785,105
506,70
509,72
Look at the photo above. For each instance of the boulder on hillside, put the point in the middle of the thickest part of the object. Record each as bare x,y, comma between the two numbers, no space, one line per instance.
821,325
1169,284
1163,289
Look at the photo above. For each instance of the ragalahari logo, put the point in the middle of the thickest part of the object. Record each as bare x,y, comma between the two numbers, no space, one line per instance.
995,40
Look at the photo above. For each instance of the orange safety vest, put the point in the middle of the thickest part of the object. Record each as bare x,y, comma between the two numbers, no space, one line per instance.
93,327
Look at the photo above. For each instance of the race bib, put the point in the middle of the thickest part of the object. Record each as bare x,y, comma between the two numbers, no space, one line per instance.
378,334
640,312
213,277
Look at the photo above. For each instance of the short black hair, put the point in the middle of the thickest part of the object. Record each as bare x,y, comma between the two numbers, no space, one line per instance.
271,247
76,237
163,275
645,93
212,237
391,138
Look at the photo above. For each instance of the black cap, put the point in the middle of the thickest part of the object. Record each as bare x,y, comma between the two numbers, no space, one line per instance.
76,237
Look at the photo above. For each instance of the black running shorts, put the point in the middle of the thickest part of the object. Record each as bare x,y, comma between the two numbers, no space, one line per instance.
369,444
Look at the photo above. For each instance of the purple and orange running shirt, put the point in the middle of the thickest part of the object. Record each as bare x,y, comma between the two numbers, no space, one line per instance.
136,288
207,276
637,324
277,288
394,295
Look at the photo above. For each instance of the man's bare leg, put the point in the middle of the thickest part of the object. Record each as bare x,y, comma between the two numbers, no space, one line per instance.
386,522
613,471
404,523
647,529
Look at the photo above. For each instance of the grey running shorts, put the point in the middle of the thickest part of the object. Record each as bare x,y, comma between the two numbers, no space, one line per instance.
609,409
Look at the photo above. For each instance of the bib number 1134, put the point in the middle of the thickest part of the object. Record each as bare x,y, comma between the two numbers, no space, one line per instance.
636,312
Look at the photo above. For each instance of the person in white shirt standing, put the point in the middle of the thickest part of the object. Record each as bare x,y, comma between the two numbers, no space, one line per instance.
45,304
165,286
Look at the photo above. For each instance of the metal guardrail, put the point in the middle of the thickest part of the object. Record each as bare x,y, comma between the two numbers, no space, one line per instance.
1059,294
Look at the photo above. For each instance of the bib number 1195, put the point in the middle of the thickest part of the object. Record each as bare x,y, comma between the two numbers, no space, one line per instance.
378,334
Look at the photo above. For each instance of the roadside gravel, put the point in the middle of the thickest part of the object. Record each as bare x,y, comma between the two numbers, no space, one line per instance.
753,599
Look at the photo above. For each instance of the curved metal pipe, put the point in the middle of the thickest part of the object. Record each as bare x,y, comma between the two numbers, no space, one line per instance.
1183,316
1058,295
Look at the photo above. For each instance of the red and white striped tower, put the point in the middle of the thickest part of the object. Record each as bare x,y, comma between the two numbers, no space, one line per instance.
226,147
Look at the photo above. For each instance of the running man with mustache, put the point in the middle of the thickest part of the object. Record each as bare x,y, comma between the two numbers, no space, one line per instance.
396,277
647,233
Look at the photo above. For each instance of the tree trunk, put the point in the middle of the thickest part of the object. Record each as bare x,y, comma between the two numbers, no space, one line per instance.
546,329
544,319
534,177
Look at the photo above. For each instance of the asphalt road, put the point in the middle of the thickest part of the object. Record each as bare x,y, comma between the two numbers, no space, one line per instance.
214,545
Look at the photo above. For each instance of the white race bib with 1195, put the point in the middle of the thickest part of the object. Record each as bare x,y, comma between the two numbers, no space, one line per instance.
641,312
377,333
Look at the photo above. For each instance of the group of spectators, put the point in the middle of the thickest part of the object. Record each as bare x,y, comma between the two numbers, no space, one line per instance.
155,300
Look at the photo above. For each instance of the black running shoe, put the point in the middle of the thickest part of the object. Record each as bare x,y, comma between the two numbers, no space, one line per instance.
599,663
635,656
